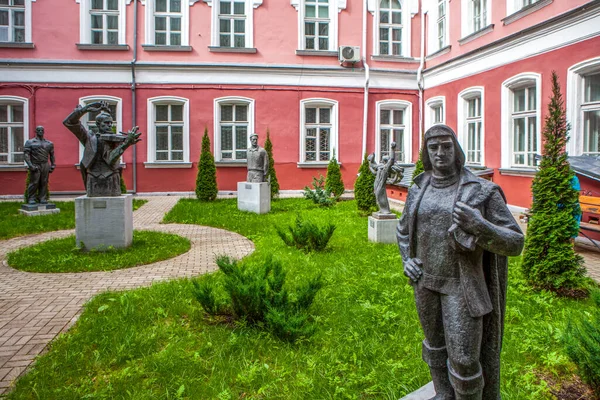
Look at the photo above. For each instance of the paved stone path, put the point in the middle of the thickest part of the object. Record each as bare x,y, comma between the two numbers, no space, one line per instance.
35,308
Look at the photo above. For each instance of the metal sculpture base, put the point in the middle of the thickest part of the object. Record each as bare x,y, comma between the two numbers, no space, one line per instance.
424,393
35,210
254,197
382,228
102,222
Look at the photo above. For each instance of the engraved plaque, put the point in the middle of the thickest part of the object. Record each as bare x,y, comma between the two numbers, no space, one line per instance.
248,186
99,204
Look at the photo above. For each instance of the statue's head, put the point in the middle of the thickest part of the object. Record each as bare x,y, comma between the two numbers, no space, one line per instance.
384,159
39,131
254,140
104,122
442,151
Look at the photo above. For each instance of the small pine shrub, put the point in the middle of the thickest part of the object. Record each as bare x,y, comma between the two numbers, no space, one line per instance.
549,260
306,235
319,194
582,344
272,174
206,180
333,180
363,188
418,167
257,295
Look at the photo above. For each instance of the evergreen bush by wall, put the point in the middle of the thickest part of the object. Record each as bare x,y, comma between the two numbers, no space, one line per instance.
206,180
363,188
418,168
272,174
333,179
549,260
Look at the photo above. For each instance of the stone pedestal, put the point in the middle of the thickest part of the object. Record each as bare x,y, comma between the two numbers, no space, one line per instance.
101,222
424,393
382,228
34,210
254,197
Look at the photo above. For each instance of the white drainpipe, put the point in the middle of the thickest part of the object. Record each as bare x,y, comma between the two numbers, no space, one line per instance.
367,78
420,75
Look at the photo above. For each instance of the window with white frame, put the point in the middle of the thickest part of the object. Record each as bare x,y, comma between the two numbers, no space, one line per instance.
232,22
470,124
390,27
102,22
477,17
590,114
13,129
435,111
521,120
89,119
394,125
168,130
12,21
583,108
318,130
442,24
318,23
234,122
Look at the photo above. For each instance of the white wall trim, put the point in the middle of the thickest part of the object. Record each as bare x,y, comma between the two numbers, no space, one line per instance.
334,127
574,99
506,105
580,27
398,104
151,135
217,118
461,114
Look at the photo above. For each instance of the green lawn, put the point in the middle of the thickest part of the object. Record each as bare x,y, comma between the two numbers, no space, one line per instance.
157,343
61,255
14,224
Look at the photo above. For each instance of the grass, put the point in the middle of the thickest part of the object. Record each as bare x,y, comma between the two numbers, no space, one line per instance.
62,255
157,342
13,224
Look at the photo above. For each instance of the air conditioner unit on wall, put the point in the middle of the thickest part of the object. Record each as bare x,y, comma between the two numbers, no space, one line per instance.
349,54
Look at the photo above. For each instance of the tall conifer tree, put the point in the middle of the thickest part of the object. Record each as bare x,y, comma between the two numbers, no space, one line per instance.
206,180
550,261
333,180
272,174
363,188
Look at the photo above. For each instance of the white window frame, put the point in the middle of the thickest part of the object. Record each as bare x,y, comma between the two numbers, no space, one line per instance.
512,6
467,18
231,100
249,11
335,7
575,93
109,99
433,44
334,140
85,23
405,106
517,82
462,124
27,9
406,29
150,37
11,100
430,106
161,100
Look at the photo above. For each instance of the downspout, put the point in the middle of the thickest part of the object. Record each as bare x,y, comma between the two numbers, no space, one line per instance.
420,76
367,78
133,92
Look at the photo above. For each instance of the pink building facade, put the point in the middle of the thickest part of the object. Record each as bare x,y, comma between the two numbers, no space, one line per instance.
325,77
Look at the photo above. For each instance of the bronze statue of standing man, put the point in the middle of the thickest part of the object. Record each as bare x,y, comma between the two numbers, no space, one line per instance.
454,237
258,162
37,151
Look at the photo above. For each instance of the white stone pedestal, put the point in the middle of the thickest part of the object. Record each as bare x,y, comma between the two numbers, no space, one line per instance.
254,197
424,393
35,210
104,221
382,228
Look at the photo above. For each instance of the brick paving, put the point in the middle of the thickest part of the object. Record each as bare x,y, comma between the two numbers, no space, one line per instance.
35,307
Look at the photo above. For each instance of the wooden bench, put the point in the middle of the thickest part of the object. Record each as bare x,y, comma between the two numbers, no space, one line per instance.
590,205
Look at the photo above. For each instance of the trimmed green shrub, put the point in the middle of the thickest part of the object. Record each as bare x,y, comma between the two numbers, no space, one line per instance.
582,343
206,180
319,194
363,188
333,180
256,294
549,260
418,167
272,174
306,235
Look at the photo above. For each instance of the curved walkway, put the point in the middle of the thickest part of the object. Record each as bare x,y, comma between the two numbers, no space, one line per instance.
35,308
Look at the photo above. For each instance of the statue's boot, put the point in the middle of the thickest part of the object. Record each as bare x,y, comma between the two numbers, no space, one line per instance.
436,358
466,387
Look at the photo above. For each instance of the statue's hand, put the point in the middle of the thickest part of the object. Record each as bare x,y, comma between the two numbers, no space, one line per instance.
468,218
412,269
97,106
33,167
133,136
52,168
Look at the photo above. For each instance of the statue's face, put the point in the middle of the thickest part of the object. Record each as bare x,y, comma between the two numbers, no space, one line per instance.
254,141
105,126
442,153
39,131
